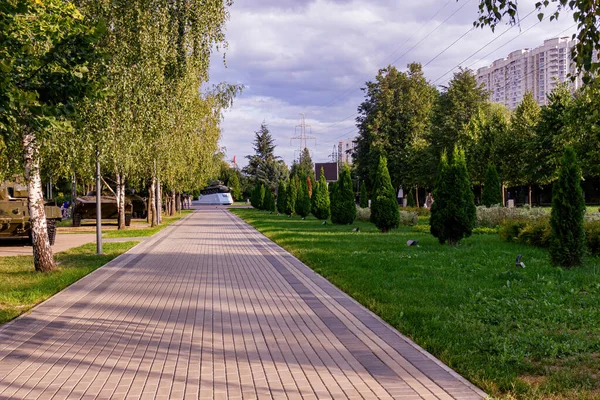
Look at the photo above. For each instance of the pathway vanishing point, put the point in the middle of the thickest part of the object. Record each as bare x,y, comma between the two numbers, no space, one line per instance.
210,308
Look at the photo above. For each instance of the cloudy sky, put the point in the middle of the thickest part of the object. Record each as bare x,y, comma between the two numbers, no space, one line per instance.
313,56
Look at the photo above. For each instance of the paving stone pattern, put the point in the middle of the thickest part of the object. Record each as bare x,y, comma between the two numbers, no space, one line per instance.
210,308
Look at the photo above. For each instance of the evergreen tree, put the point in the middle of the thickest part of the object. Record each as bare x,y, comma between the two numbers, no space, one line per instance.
236,188
303,201
384,206
281,192
343,207
261,197
320,200
255,200
269,202
364,197
441,193
263,166
290,197
567,240
453,212
492,190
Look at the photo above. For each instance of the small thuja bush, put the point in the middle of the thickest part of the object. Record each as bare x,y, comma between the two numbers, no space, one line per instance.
290,196
257,198
364,197
567,240
343,208
303,199
269,200
281,189
384,207
320,199
453,212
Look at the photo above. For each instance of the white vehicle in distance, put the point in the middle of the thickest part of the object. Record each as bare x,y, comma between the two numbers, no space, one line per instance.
215,194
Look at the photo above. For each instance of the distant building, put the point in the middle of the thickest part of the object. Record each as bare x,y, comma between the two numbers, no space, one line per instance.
346,148
535,70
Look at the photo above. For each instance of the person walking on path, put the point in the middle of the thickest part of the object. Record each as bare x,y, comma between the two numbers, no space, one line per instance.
428,200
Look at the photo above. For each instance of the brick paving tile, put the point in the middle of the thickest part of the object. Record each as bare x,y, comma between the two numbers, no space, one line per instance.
209,308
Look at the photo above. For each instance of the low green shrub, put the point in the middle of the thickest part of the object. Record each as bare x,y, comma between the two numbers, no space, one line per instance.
363,214
421,211
497,215
592,237
510,229
486,231
409,218
536,233
421,228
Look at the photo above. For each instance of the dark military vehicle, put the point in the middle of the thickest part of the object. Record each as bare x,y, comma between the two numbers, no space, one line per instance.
14,213
85,208
140,208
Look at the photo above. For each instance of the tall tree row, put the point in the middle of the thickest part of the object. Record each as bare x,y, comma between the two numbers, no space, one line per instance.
119,81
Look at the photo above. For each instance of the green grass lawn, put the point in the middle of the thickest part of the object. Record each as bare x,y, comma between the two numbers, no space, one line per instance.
21,287
516,333
137,231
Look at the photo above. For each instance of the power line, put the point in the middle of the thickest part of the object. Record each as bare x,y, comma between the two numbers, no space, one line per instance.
486,45
505,44
350,91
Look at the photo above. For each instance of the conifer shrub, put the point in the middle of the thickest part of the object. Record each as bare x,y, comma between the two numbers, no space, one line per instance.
261,195
281,192
343,208
320,201
492,190
384,207
290,197
364,197
269,201
453,212
236,188
303,199
567,239
256,199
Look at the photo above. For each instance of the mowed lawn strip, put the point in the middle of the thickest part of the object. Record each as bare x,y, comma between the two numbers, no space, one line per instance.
21,287
136,231
516,333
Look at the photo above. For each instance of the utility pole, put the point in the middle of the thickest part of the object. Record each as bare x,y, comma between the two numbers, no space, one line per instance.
98,204
300,131
335,157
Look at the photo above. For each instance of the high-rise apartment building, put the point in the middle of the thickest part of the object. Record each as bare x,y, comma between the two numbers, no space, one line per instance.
345,150
536,70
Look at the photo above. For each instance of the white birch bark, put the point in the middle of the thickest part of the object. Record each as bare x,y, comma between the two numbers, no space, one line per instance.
43,258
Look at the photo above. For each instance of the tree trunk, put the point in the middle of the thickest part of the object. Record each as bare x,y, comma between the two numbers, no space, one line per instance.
178,202
43,258
530,199
152,208
417,196
173,203
121,200
158,202
149,205
503,199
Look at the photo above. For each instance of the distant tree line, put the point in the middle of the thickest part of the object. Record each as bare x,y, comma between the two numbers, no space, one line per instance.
408,121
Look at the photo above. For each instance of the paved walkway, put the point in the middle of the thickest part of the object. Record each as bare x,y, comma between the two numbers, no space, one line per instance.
210,308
